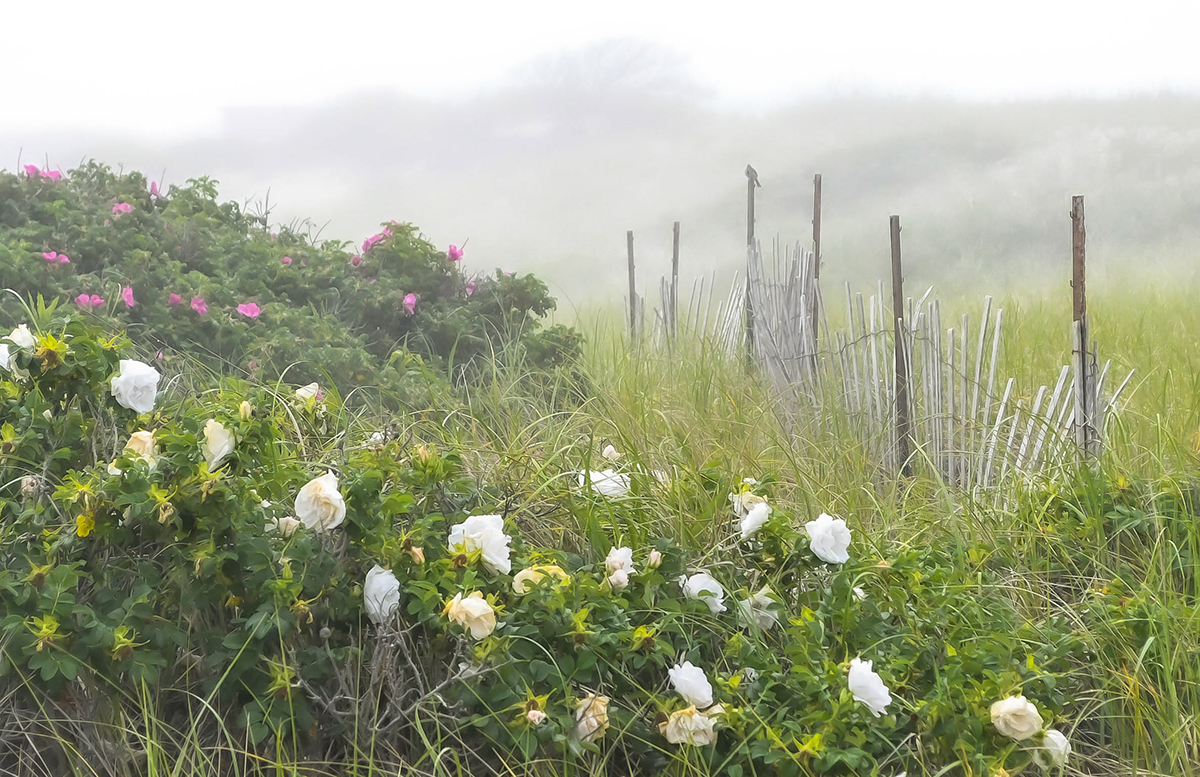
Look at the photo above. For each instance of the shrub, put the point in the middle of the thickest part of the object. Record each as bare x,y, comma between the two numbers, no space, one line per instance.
177,271
342,606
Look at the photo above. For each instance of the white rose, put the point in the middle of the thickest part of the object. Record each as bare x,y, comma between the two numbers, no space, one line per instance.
690,683
756,609
308,392
135,385
607,483
1056,748
860,594
655,560
218,443
610,453
320,505
620,558
744,501
591,718
377,438
524,580
868,687
829,539
688,727
22,337
619,580
473,613
1016,718
483,533
4,356
755,519
702,586
381,594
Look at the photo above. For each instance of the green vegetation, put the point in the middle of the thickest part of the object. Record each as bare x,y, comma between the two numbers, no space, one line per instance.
162,614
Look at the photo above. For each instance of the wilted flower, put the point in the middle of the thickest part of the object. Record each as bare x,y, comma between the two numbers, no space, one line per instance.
702,586
135,386
868,687
381,594
1055,750
688,727
756,609
473,613
755,519
527,578
591,718
610,453
743,501
377,438
29,486
689,682
320,505
749,674
483,533
1016,718
218,443
606,483
308,392
536,717
829,539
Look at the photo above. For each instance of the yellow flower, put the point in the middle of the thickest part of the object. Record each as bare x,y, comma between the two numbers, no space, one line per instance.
84,523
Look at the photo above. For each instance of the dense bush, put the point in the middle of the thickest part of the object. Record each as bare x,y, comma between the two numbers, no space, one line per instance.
196,550
180,270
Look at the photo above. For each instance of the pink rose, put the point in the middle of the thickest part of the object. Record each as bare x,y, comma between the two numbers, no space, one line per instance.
174,300
410,303
97,301
455,253
471,288
127,296
249,309
286,260
200,306
83,300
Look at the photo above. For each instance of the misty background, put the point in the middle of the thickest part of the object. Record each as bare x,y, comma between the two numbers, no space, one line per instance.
545,171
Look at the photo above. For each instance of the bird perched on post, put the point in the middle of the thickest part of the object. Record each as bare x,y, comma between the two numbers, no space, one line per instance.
752,174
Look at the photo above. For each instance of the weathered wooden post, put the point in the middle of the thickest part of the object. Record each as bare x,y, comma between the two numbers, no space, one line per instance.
816,228
751,184
903,420
1087,437
633,298
674,279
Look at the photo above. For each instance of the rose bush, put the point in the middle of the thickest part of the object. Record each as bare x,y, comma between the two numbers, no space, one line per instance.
390,587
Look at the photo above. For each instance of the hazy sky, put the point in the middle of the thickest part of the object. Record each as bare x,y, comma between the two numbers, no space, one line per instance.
168,69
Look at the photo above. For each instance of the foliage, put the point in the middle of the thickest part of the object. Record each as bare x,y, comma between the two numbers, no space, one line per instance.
339,315
122,571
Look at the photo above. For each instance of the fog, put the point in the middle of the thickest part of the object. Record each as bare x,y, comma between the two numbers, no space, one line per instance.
547,172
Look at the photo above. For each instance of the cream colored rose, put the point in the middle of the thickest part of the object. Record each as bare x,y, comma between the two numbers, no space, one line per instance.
528,578
245,410
135,386
829,539
704,587
610,453
743,502
618,580
473,613
755,519
319,505
655,560
620,558
757,610
218,443
286,526
1016,718
688,727
1056,749
22,337
591,718
142,445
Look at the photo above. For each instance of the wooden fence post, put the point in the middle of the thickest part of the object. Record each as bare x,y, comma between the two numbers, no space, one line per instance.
674,279
751,184
1087,437
816,229
633,298
903,420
